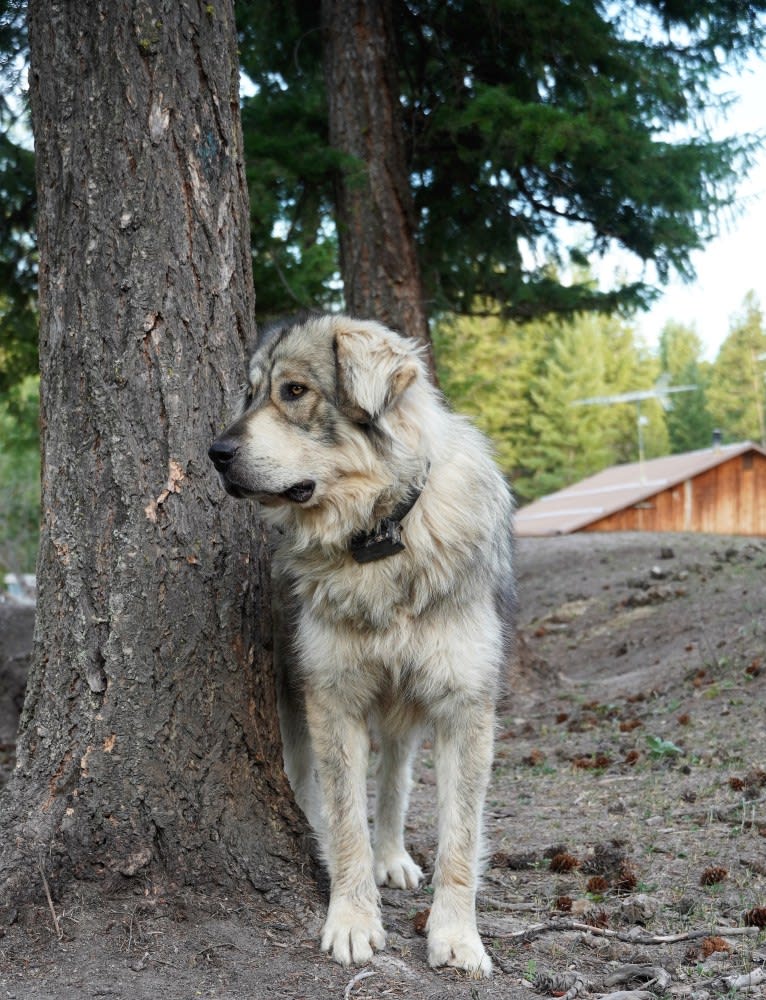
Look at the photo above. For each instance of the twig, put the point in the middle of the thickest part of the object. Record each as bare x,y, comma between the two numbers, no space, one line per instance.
56,924
488,902
575,925
748,982
133,917
499,962
223,944
629,995
650,974
357,979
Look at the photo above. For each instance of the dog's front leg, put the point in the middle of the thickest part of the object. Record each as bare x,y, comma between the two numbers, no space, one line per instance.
463,757
393,865
341,747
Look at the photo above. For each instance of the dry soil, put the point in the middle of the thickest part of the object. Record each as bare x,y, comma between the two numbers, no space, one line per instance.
628,806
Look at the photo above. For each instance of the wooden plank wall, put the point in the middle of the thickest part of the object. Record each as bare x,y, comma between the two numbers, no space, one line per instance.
729,499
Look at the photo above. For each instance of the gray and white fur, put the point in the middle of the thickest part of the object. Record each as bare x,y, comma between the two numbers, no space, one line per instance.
340,425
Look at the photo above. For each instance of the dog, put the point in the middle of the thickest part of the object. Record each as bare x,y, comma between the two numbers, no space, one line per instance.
394,529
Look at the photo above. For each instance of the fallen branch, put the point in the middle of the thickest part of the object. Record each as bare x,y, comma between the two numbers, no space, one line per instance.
748,982
552,926
629,995
648,974
490,903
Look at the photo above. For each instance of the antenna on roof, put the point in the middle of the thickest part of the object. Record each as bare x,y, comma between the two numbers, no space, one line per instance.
660,391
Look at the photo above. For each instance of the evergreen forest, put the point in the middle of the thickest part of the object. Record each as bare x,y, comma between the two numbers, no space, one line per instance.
522,383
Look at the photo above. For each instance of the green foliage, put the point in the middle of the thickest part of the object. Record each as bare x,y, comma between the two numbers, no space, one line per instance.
660,748
18,332
736,393
592,356
689,421
521,381
13,44
19,477
290,164
18,258
485,366
547,111
569,441
516,116
19,438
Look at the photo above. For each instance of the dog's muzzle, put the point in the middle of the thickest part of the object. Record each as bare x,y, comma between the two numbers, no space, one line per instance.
223,452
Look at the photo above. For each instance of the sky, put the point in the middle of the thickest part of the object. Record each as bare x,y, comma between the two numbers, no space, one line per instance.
734,263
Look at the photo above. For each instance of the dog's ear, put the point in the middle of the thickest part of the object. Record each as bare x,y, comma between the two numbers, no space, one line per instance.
373,370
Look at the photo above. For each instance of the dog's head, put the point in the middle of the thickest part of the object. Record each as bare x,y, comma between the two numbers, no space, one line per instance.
318,387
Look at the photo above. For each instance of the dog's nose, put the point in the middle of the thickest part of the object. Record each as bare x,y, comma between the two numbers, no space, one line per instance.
221,453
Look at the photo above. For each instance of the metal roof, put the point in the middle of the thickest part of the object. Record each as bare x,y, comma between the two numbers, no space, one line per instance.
619,487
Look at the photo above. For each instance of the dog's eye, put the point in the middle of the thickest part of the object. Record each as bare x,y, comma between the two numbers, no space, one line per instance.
292,390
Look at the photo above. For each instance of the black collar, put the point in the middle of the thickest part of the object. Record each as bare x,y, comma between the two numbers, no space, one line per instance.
385,539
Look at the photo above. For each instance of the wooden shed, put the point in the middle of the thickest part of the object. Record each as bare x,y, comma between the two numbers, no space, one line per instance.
718,490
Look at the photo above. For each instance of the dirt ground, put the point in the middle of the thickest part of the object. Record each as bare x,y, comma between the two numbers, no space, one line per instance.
628,805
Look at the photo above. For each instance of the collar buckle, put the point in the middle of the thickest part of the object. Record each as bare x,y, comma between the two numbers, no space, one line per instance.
385,539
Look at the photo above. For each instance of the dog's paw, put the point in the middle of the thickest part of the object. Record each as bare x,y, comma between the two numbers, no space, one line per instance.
460,947
350,933
397,870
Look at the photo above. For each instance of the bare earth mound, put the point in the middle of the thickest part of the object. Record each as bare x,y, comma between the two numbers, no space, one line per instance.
626,820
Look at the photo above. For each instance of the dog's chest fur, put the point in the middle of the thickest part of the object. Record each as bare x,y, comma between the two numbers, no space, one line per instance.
360,598
442,567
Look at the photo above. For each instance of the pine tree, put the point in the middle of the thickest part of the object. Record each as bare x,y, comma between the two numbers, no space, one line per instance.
630,367
516,116
149,738
591,356
520,382
288,159
374,204
736,393
486,366
569,440
689,421
18,258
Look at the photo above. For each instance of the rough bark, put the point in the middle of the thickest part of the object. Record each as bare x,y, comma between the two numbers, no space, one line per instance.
149,733
375,211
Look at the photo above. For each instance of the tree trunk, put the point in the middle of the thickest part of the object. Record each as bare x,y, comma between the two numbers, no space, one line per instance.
149,734
375,211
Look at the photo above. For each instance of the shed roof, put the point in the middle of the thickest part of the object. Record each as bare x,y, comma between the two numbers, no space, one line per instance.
618,487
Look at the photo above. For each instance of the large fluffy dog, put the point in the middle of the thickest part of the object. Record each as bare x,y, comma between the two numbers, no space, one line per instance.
395,536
